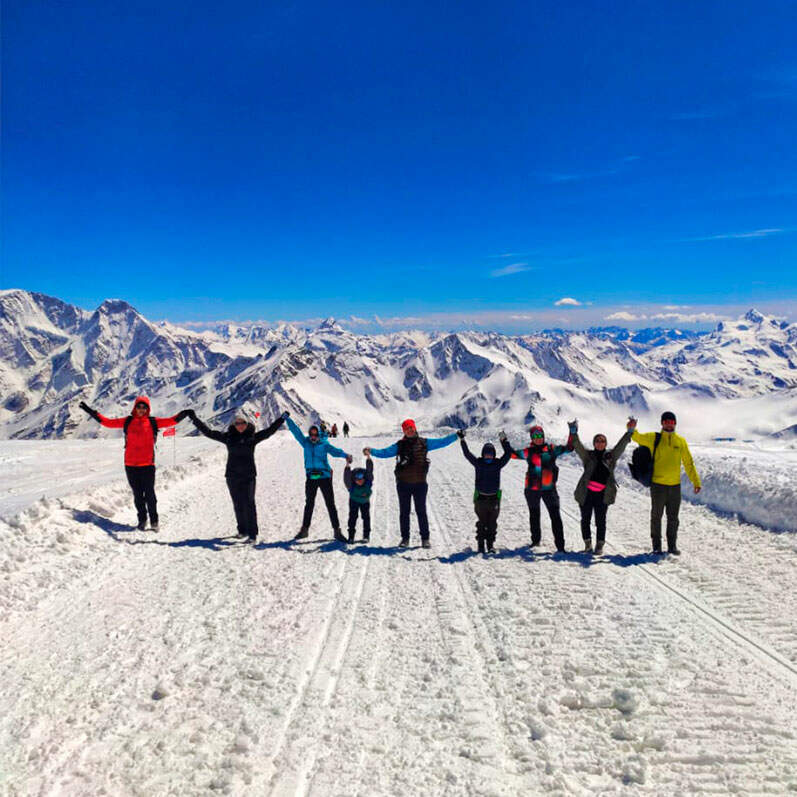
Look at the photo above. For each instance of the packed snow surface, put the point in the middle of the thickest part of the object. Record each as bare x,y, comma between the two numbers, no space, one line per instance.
185,663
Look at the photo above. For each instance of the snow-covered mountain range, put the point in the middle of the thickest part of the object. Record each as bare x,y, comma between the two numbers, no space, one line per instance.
739,380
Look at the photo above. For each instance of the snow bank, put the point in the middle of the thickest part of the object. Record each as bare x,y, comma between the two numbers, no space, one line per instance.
758,486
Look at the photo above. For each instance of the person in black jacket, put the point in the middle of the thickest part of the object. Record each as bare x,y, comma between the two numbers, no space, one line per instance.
241,473
487,496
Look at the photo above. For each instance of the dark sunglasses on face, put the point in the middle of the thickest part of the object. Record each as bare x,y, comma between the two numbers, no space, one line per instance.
240,423
141,406
537,436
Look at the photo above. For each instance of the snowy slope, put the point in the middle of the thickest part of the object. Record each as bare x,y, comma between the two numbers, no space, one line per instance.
184,664
740,380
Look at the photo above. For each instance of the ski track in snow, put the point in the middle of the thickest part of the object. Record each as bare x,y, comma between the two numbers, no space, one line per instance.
188,663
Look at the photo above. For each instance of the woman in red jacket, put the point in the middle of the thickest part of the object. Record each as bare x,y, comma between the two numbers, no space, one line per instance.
140,429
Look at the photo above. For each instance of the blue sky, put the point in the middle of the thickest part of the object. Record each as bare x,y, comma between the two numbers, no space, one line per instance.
293,160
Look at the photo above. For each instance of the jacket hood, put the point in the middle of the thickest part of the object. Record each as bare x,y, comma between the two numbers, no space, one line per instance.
248,430
359,473
488,448
141,400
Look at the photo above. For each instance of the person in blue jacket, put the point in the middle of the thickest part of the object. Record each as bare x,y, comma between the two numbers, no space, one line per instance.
319,476
412,466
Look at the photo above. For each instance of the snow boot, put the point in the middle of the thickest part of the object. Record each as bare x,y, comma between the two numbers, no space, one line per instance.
426,544
155,526
587,545
490,546
599,548
338,535
302,535
674,551
366,538
142,525
405,542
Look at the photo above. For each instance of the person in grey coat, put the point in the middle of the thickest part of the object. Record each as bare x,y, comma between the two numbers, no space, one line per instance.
597,487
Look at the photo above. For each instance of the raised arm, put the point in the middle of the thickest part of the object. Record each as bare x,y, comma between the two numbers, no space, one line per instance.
384,453
347,477
220,437
440,442
644,438
507,455
579,447
369,470
466,452
335,451
264,434
295,431
617,451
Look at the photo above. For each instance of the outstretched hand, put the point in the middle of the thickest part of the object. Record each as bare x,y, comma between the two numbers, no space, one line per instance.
85,407
502,435
285,415
631,423
367,452
461,434
349,459
572,426
697,490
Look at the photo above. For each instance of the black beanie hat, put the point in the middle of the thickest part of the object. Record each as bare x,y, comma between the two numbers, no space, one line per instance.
667,416
488,448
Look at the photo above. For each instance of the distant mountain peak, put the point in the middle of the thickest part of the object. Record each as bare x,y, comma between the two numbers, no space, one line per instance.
754,316
115,306
330,324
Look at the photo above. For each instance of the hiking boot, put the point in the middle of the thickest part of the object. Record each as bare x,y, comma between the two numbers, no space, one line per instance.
154,526
426,544
599,548
303,534
587,546
366,538
339,537
674,551
250,540
142,525
534,543
405,542
490,548
240,535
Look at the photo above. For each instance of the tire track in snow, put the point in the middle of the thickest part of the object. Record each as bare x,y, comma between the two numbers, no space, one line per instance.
743,639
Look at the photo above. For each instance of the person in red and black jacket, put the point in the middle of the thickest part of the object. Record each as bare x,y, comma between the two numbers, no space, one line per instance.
541,482
140,429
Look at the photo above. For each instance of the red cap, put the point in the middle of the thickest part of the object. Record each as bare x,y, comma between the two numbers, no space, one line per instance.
408,424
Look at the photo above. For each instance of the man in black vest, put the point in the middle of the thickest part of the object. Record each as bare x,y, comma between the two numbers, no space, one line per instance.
412,466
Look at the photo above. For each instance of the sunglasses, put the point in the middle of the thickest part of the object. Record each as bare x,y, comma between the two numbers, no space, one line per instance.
240,423
141,407
537,436
600,440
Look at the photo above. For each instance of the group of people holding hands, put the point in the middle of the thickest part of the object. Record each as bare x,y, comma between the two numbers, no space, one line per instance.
595,492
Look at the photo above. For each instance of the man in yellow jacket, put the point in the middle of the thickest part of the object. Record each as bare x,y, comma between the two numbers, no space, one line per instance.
665,488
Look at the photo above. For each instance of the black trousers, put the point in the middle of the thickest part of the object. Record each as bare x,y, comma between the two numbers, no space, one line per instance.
355,508
412,493
664,496
311,487
142,482
242,492
487,508
551,500
594,503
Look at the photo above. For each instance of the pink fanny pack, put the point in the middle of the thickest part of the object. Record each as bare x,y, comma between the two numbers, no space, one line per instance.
595,487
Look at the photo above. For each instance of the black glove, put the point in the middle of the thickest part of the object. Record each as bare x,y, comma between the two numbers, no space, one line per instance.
85,407
182,414
461,434
502,435
285,415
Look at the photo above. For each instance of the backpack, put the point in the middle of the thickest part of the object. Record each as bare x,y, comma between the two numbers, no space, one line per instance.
641,465
153,424
404,455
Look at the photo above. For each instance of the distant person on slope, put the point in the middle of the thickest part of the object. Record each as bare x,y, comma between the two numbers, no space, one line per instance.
487,495
319,476
669,453
359,482
140,430
334,430
597,487
345,428
412,466
241,473
541,480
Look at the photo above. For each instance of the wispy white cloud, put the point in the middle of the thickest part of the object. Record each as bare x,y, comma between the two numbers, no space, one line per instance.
622,315
690,318
763,233
567,301
512,268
